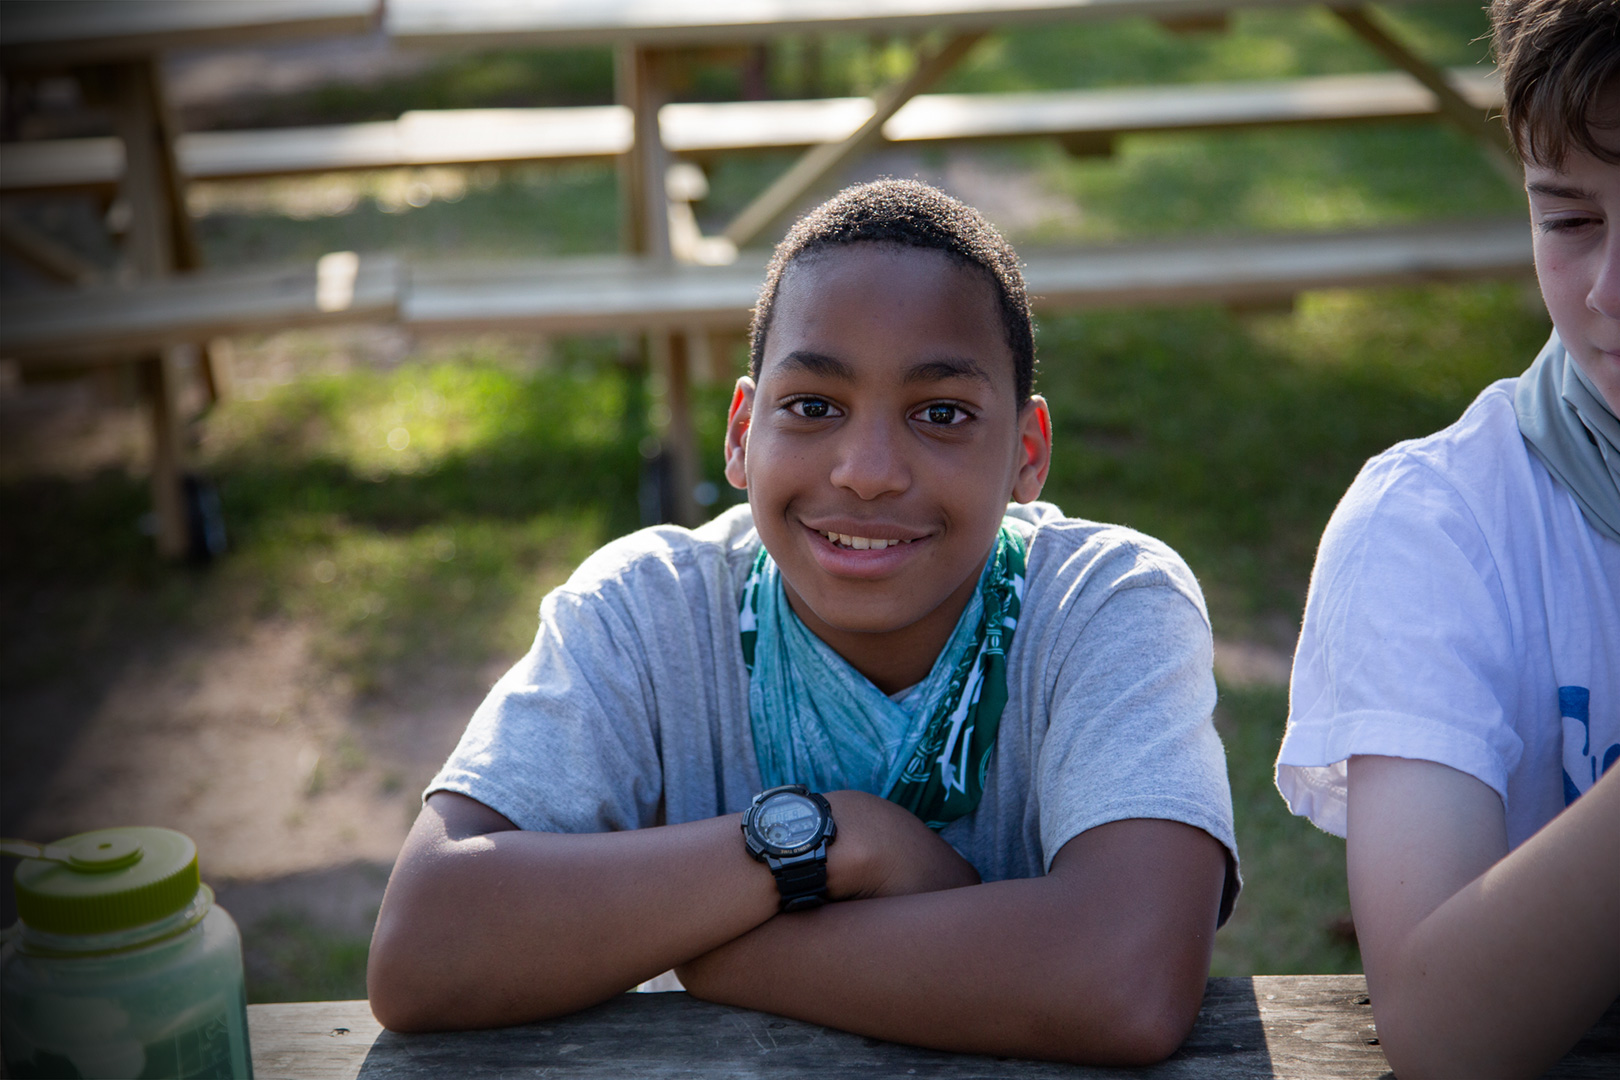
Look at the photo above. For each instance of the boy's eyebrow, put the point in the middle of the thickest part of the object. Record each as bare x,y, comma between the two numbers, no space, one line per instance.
940,370
819,364
1557,191
928,371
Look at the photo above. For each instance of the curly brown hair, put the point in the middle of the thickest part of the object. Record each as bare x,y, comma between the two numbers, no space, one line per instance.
1560,65
911,214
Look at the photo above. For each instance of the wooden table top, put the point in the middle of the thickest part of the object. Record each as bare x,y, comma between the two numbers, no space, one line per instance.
488,23
49,32
1317,1026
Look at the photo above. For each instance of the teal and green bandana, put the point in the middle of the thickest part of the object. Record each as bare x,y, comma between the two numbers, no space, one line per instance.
817,721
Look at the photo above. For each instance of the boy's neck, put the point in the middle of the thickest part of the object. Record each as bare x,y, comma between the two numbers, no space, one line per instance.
894,659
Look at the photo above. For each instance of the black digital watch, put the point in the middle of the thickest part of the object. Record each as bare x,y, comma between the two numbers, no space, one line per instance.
788,829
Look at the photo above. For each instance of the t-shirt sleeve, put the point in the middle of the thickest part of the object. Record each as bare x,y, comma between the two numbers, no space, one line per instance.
1132,732
565,741
1406,648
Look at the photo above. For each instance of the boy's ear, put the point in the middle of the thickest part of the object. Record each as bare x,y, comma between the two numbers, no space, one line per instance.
1035,449
738,418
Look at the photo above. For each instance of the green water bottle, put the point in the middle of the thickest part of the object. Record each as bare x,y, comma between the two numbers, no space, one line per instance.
120,963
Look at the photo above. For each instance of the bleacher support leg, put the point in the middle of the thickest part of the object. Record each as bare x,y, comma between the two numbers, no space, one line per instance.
642,76
160,241
1453,106
168,493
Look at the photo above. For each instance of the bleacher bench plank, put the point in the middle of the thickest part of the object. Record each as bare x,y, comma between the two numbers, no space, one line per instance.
112,323
441,24
49,32
475,136
618,294
601,294
1258,270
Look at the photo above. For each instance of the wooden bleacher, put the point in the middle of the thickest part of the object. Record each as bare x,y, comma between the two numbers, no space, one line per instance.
150,162
609,294
1082,119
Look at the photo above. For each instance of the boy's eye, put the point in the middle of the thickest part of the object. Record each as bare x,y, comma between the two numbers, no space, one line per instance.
811,408
942,413
1565,224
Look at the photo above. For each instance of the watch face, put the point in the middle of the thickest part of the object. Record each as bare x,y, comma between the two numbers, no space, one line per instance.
787,821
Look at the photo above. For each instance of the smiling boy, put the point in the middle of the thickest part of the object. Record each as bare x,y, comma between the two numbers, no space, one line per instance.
1455,710
1011,831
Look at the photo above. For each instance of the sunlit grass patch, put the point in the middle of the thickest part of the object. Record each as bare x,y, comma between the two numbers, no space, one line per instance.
1281,180
515,211
418,418
458,592
421,513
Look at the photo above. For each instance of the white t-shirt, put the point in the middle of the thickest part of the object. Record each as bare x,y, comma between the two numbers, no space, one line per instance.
631,709
1462,611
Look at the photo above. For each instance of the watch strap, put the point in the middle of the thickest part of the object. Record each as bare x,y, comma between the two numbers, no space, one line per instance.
803,881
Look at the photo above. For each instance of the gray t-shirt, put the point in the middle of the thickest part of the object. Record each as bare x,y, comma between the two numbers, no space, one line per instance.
631,708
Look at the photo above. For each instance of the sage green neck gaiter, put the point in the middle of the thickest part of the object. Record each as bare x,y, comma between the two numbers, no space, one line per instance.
1571,429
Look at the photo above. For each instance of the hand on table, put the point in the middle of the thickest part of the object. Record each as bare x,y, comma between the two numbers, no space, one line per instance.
883,849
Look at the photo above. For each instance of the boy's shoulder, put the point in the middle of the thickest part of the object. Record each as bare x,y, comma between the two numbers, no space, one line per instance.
1067,551
722,547
1483,437
1473,448
1477,470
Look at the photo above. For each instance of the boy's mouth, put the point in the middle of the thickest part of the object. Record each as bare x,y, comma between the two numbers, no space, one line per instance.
860,543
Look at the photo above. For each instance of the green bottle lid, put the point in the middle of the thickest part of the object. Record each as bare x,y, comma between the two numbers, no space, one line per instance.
108,880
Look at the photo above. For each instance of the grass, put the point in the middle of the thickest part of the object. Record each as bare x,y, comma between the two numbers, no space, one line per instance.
287,959
1232,437
416,511
1293,915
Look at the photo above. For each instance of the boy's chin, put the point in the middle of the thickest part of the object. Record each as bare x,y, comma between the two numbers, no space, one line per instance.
858,609
1603,370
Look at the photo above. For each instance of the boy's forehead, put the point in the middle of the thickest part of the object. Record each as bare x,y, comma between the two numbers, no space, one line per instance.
842,294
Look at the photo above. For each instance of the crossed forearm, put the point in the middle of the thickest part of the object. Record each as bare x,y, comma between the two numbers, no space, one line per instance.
1102,960
507,927
986,969
1503,976
485,925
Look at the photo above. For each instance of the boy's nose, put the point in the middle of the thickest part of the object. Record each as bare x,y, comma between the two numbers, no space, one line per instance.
870,461
1604,297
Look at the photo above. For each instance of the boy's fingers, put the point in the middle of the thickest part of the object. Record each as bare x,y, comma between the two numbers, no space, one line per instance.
884,850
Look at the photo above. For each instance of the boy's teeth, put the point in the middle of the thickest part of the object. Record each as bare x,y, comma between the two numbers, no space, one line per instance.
861,543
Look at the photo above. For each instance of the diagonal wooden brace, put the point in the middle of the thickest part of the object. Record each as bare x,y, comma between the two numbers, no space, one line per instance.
820,161
45,254
1453,106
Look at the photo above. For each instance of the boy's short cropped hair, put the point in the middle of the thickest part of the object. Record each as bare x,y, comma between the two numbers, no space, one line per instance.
1555,58
911,214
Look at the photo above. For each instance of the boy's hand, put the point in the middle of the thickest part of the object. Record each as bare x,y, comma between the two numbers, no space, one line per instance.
883,849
